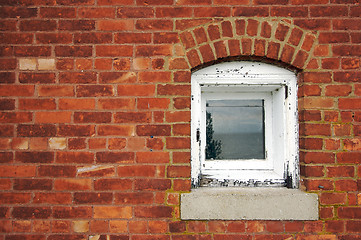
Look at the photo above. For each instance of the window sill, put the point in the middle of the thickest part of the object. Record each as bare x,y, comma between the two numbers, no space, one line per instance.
248,204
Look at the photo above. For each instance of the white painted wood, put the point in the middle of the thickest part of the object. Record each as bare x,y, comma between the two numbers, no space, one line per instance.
248,80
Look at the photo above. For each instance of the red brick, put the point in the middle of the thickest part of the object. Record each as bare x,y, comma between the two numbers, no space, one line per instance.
16,38
333,198
76,25
153,212
289,11
300,59
153,184
153,130
72,212
153,103
7,64
193,58
113,184
150,77
207,53
168,89
114,51
350,63
178,63
37,104
340,171
114,157
335,226
13,117
332,116
31,212
37,78
156,24
177,143
20,12
153,50
346,50
274,226
57,12
72,184
178,171
187,39
52,117
52,198
313,226
132,37
328,11
17,171
33,184
318,157
14,198
221,49
134,198
270,2
152,157
38,25
76,130
287,53
162,12
312,171
349,212
353,226
295,226
74,157
112,212
338,90
9,77
326,212
73,51
316,185
48,38
281,32
212,12
250,11
56,171
165,37
155,144
135,12
132,117
346,76
137,171
94,90
346,185
314,24
315,129
177,227
60,226
309,90
92,198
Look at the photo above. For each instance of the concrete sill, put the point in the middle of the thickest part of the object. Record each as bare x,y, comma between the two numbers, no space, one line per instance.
248,204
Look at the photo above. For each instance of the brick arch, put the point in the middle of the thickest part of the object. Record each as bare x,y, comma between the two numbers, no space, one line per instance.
270,38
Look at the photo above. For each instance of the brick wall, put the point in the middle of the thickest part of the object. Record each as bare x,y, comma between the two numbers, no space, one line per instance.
95,120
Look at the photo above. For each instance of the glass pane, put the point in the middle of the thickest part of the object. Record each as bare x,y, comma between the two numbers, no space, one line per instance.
235,129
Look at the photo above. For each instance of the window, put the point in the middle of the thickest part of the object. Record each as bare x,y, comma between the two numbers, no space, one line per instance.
244,126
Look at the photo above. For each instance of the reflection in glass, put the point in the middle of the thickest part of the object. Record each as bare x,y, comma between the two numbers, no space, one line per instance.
235,129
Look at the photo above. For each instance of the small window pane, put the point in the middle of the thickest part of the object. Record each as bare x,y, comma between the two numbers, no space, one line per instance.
235,129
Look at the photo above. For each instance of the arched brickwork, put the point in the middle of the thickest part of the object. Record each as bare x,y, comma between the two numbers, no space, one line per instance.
271,38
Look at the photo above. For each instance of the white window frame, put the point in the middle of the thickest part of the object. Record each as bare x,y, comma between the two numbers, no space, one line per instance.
248,80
